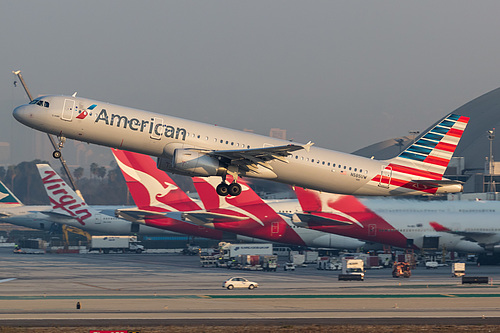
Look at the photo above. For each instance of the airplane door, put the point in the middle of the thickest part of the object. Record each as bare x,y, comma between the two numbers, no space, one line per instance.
372,230
67,112
157,128
275,227
385,176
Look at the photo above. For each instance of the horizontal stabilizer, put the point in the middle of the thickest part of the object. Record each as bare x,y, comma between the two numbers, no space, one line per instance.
135,215
437,183
207,217
60,215
320,220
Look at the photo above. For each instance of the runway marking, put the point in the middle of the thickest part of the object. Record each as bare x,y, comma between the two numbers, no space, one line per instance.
91,285
7,280
59,297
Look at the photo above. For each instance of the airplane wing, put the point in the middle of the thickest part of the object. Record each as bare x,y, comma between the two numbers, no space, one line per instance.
4,214
207,217
246,158
473,236
320,220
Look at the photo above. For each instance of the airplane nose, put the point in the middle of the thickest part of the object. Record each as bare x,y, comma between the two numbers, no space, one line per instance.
22,114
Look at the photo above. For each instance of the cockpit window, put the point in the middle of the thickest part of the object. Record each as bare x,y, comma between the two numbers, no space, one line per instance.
40,103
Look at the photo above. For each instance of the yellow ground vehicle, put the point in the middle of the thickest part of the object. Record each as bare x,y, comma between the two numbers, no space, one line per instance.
401,268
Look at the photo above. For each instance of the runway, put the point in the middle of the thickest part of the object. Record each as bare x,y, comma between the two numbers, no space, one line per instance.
173,289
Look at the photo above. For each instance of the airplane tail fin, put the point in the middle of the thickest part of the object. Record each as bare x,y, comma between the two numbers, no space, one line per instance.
64,201
7,197
429,156
149,186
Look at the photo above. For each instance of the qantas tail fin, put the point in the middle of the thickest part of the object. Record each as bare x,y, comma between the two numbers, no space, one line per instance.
248,203
64,201
429,156
149,186
7,197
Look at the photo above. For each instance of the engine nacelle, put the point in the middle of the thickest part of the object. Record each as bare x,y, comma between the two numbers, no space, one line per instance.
195,163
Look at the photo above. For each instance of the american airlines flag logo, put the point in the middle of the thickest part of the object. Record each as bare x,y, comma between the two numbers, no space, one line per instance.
85,113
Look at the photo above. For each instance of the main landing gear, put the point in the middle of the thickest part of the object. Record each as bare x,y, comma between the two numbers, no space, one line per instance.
233,189
57,153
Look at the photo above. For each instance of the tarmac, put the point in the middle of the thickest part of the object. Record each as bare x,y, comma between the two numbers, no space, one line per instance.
170,289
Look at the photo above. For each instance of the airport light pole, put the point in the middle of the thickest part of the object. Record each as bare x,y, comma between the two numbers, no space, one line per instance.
491,137
414,134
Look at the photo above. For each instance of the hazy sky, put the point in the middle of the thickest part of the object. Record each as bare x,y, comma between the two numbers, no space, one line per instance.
343,74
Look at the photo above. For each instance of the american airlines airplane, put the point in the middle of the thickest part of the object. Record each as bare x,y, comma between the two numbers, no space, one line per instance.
247,215
197,149
464,226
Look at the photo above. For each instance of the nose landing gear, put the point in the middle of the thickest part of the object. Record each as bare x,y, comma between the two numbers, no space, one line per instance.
57,153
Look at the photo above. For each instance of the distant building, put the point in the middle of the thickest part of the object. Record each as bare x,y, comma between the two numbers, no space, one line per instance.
4,153
278,133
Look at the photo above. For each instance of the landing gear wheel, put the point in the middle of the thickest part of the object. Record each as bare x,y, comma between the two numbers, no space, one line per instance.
56,154
234,189
222,189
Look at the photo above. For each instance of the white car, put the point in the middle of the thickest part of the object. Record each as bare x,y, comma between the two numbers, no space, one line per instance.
239,282
289,266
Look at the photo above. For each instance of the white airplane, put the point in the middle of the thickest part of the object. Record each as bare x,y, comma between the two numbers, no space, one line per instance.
13,211
196,149
463,226
247,215
68,208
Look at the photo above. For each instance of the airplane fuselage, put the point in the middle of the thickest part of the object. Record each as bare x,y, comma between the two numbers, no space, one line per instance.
161,136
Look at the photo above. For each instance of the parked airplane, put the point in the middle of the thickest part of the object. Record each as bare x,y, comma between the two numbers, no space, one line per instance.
246,215
68,208
13,211
464,226
156,194
196,149
256,218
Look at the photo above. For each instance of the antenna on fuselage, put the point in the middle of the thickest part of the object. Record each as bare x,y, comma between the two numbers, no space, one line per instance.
51,139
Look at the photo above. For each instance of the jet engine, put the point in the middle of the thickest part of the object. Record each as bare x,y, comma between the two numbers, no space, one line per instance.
195,163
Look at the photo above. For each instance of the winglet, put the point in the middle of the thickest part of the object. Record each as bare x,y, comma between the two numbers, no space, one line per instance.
307,146
438,227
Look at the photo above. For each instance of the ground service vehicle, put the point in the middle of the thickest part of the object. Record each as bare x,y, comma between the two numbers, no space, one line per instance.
401,268
352,270
289,266
228,252
431,264
458,269
269,262
108,244
239,282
